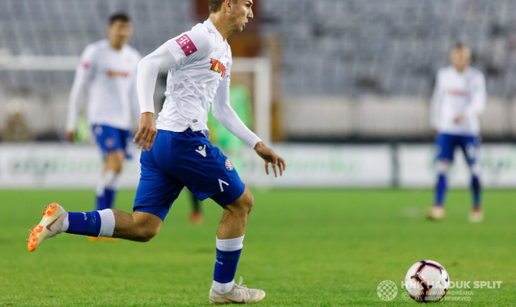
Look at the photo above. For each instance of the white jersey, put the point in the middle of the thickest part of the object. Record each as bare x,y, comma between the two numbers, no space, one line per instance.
203,62
199,64
109,76
458,93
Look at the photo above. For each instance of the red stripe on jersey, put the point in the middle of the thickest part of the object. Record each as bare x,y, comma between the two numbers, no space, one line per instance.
187,45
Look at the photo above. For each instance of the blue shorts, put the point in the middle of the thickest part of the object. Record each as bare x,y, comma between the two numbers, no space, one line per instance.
111,139
446,144
179,159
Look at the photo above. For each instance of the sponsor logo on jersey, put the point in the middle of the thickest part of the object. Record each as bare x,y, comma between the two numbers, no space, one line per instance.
116,74
186,45
218,67
229,165
457,92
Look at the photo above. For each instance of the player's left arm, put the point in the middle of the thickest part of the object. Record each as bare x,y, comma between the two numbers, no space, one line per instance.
478,96
477,99
225,114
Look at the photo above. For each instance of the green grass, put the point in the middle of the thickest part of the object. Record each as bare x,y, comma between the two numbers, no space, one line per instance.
303,247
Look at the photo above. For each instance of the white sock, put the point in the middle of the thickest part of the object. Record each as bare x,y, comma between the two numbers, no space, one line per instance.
222,288
227,245
107,223
109,180
66,223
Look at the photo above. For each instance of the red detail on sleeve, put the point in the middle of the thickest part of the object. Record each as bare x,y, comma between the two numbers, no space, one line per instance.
85,65
187,45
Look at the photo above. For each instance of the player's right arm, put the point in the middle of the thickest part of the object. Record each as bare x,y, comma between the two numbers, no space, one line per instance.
435,105
83,74
168,56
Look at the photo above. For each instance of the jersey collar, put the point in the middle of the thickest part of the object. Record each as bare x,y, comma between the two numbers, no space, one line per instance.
212,28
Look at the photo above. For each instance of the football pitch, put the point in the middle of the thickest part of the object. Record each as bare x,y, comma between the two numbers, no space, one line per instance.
303,247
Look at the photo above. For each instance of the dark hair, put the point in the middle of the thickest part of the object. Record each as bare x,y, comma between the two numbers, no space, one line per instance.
214,5
123,17
459,45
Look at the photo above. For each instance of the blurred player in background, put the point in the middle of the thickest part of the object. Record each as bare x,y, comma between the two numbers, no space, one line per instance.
459,97
107,72
179,153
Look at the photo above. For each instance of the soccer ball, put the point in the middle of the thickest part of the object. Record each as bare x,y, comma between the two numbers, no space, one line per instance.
427,281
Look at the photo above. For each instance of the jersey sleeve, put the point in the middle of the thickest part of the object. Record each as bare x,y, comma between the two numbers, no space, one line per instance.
189,46
478,95
435,104
225,114
83,74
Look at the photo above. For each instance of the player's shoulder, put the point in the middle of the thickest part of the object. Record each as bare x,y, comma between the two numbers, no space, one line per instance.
203,37
475,72
98,45
445,70
131,50
92,50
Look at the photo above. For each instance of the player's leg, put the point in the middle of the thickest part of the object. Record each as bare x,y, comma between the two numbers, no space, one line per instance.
113,143
196,216
229,242
470,147
154,196
206,172
445,145
108,183
139,226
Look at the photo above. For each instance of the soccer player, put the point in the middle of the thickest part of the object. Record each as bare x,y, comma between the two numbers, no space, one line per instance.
107,71
459,97
177,153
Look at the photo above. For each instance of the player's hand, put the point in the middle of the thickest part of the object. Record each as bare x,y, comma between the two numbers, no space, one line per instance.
69,135
147,132
271,157
435,131
459,119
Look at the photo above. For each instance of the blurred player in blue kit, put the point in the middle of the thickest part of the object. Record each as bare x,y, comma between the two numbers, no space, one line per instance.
177,153
107,72
459,97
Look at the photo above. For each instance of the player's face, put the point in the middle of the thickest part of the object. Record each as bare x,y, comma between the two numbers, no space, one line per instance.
460,58
241,12
120,32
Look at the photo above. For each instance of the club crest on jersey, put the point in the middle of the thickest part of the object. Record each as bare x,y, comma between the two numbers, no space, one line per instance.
218,67
229,165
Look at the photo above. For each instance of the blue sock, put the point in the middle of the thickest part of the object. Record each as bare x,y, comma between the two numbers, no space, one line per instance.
440,190
475,187
101,203
226,266
84,223
105,201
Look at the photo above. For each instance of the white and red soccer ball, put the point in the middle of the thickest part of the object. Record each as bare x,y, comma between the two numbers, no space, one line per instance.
427,281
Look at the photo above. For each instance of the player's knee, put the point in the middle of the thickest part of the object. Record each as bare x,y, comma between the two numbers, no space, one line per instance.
115,162
145,227
247,201
117,166
145,234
